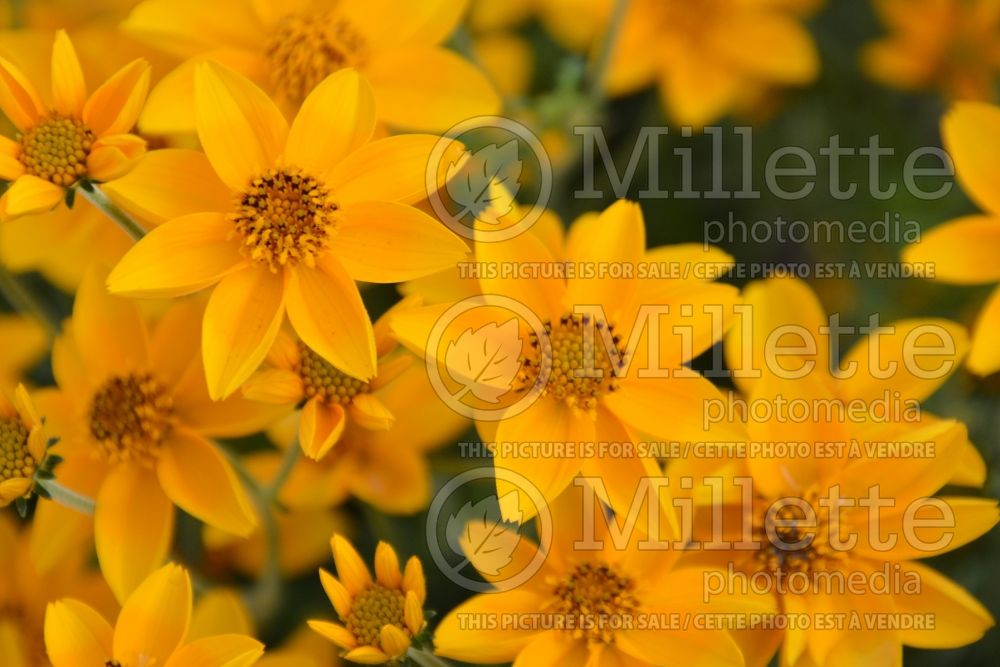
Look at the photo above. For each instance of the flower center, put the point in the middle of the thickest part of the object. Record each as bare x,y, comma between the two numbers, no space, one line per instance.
56,149
130,416
595,599
792,539
15,461
285,217
371,610
322,379
304,49
586,358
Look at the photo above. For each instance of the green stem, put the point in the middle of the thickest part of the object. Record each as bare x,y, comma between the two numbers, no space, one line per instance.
25,301
66,497
603,61
288,461
425,658
92,193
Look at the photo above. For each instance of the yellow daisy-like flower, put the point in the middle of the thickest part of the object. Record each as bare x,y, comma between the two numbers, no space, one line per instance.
76,137
966,251
22,446
313,207
706,56
379,617
134,421
944,45
289,48
593,601
151,629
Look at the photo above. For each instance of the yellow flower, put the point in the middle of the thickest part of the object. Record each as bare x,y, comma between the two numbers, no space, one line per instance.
134,420
24,343
706,56
77,137
289,48
965,251
152,629
311,209
22,446
947,45
606,604
621,402
25,590
379,617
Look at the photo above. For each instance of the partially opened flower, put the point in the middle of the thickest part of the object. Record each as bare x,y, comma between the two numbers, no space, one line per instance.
313,208
379,617
151,629
289,48
74,138
22,446
134,421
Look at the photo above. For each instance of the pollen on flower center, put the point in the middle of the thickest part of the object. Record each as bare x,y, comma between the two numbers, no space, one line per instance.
790,540
56,149
321,378
130,416
585,357
594,600
285,217
15,461
304,49
373,608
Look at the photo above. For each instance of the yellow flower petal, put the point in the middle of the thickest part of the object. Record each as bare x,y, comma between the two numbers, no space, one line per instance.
155,619
182,256
984,357
219,611
394,641
19,100
218,651
10,166
369,412
456,639
338,634
413,579
544,297
429,89
240,128
959,619
339,596
243,316
214,495
320,427
99,317
114,107
13,488
713,647
69,91
114,155
367,655
965,251
351,570
769,45
186,27
133,527
387,570
413,613
76,635
617,235
386,242
336,118
30,194
274,385
696,90
339,330
971,132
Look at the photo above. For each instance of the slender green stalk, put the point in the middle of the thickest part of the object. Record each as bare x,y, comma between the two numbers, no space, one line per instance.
288,461
600,69
24,301
425,658
92,193
66,497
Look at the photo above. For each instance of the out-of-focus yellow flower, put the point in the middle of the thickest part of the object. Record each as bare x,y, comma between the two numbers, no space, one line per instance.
289,48
378,617
952,46
152,629
706,56
507,59
134,420
77,137
24,343
25,590
304,212
966,251
600,604
22,446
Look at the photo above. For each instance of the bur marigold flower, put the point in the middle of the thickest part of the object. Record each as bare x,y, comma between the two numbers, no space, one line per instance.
707,56
595,391
378,617
944,45
311,209
134,422
965,251
75,138
22,446
288,49
152,629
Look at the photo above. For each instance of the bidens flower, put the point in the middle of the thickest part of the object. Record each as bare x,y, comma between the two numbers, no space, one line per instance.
380,616
22,446
313,207
151,630
290,48
76,138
